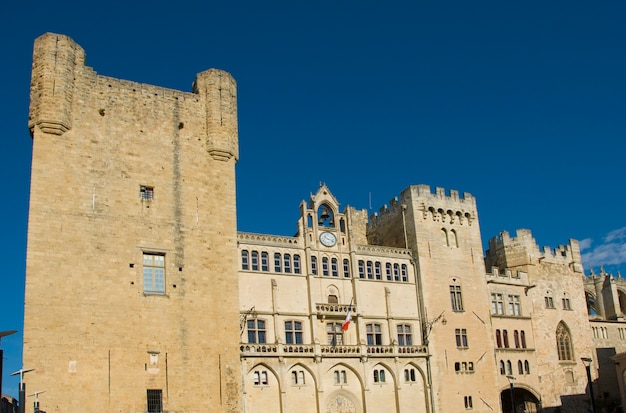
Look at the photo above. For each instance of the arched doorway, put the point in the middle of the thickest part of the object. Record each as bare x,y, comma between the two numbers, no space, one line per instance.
525,401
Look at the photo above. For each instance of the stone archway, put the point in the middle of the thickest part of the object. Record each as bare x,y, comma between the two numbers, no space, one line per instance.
525,401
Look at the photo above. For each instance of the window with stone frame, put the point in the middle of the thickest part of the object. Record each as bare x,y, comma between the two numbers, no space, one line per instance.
374,334
293,332
256,331
153,273
405,338
564,343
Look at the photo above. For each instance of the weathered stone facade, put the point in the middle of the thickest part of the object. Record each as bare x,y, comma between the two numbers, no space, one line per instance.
141,295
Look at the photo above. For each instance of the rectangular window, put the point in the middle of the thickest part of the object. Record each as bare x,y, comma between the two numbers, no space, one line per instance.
346,268
154,400
287,263
374,334
514,305
260,378
396,272
405,276
334,267
335,334
378,271
455,298
497,304
255,260
370,270
409,375
146,193
256,331
325,266
388,271
244,260
340,376
461,337
566,304
361,269
404,335
293,332
549,302
153,273
468,403
314,265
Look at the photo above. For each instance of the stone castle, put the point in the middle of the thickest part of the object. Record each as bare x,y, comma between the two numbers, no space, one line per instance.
142,296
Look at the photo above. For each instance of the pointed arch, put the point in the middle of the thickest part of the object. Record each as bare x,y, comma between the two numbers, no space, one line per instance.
564,342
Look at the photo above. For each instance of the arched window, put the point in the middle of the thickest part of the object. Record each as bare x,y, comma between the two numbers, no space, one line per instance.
296,264
405,277
526,367
520,367
325,266
244,260
509,367
444,238
334,268
396,272
277,262
564,342
516,338
454,241
361,269
265,266
523,338
287,263
378,270
332,299
346,268
505,338
325,216
498,339
370,270
314,264
502,370
255,260
374,334
388,270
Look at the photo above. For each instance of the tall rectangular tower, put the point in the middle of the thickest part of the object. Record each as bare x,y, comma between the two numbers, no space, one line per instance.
131,282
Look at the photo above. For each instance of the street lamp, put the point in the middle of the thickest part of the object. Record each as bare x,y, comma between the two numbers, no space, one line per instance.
22,395
511,382
587,362
3,334
36,405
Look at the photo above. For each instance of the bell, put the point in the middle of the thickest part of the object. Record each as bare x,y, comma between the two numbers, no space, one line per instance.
325,215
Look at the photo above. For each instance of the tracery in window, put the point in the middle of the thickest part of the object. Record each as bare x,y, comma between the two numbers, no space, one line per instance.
564,342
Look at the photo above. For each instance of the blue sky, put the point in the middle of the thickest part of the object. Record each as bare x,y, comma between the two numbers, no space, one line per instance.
523,105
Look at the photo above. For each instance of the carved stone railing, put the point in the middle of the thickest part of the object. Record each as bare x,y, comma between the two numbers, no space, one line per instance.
379,249
319,351
252,238
334,309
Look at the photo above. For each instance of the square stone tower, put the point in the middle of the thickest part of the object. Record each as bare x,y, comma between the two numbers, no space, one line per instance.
131,282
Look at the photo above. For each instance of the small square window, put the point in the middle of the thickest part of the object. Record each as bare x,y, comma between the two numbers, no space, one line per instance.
146,193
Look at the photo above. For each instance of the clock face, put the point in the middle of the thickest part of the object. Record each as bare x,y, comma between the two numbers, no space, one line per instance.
328,239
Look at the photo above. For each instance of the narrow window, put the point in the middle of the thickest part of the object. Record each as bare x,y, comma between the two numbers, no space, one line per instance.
509,367
564,342
456,298
361,269
264,378
334,267
457,367
255,260
444,238
296,264
314,264
378,270
153,273
265,266
287,263
522,336
325,266
549,301
405,276
526,367
340,376
277,262
516,338
505,338
502,370
379,376
520,367
244,260
498,339
346,268
468,403
370,270
301,377
566,304
454,242
388,271
396,272
154,400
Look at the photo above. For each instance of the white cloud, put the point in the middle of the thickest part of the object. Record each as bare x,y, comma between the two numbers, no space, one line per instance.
612,250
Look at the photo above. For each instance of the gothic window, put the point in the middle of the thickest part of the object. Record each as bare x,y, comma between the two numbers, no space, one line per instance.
396,272
244,260
260,378
526,366
255,260
346,268
265,266
566,304
325,216
564,342
404,335
456,299
444,238
405,276
332,299
334,267
374,334
153,273
293,332
361,269
370,270
502,368
296,264
549,300
314,265
522,336
520,367
509,367
256,331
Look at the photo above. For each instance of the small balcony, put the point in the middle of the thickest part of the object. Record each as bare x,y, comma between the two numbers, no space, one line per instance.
319,351
324,310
